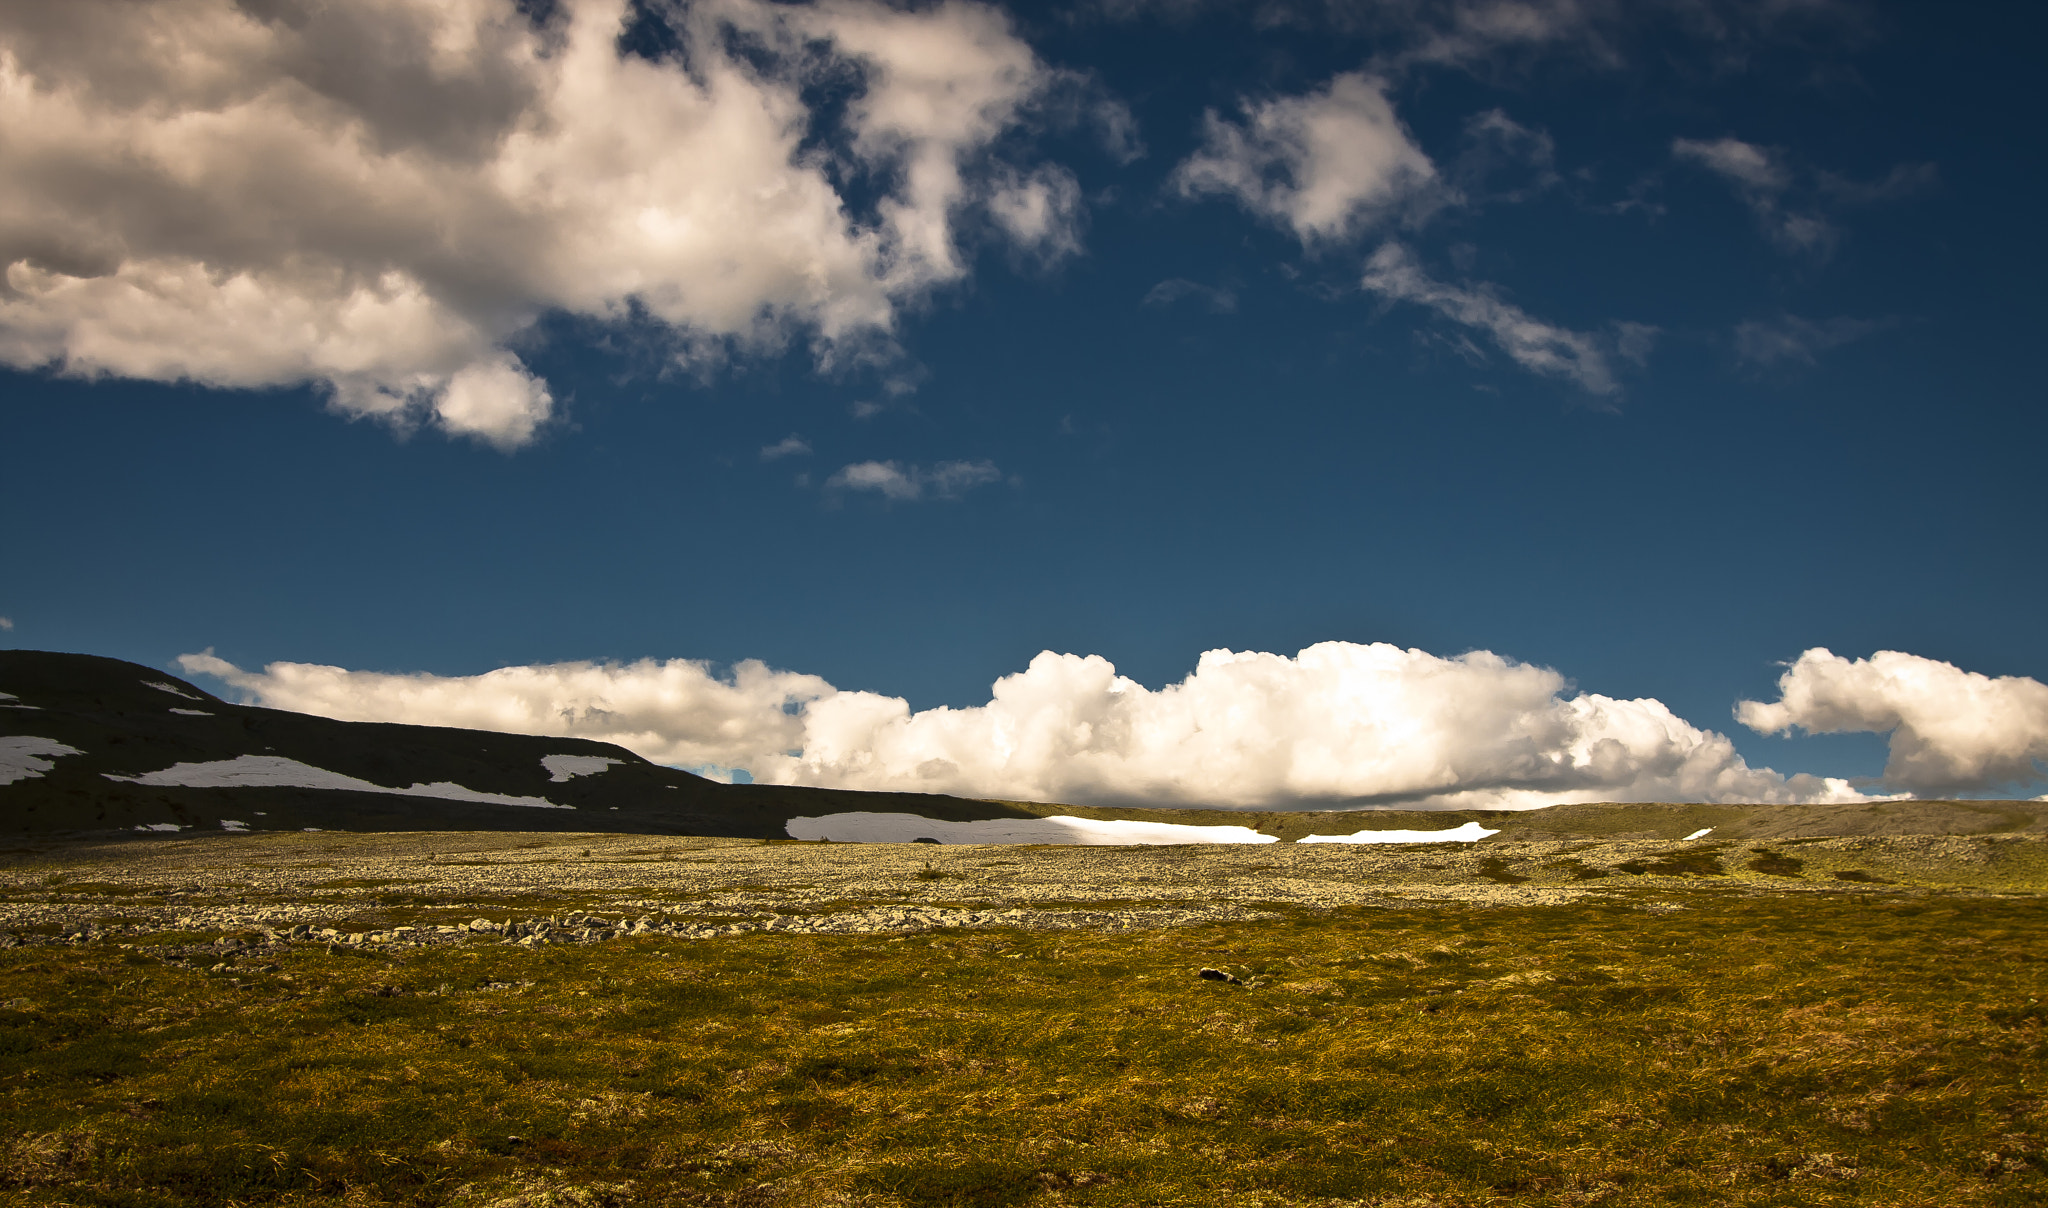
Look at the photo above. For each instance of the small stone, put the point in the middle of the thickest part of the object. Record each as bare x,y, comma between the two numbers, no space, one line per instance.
1221,975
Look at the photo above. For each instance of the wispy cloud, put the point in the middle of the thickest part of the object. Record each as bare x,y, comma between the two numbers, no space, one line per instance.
1215,299
789,446
1325,165
6,624
1495,144
906,484
1791,340
1761,178
1545,348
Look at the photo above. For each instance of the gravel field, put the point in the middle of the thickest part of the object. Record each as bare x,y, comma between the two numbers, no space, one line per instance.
410,889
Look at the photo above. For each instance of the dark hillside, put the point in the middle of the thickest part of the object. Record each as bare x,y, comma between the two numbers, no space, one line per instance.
128,720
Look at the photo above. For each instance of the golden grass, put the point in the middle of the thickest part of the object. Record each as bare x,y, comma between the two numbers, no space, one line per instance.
1808,1050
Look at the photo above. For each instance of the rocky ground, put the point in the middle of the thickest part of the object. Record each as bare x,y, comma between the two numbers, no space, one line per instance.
242,897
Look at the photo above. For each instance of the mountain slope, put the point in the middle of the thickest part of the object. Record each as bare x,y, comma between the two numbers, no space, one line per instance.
97,744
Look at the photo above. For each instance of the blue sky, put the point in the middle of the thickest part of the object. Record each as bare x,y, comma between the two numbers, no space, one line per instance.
1775,269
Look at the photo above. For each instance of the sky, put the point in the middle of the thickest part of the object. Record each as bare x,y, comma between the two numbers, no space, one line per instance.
1138,401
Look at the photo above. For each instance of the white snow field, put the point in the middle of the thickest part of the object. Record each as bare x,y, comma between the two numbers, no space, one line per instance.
1702,833
1471,832
9,700
193,712
275,771
21,756
864,827
569,767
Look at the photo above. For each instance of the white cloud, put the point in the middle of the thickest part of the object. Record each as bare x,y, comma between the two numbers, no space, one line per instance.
892,480
1748,165
674,712
1760,178
1338,723
789,446
1789,339
5,624
1545,348
1041,212
379,198
1950,730
1326,165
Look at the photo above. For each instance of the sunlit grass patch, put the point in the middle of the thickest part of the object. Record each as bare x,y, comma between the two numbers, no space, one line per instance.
1768,1051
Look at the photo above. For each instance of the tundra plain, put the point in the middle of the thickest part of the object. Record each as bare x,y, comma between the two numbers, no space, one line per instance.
513,1021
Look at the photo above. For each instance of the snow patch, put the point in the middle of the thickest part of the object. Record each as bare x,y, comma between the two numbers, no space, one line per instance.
1701,833
193,712
1471,832
569,767
865,827
173,689
167,827
229,824
21,756
9,700
449,791
278,772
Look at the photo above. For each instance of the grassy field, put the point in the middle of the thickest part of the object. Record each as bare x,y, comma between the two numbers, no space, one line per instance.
1685,1047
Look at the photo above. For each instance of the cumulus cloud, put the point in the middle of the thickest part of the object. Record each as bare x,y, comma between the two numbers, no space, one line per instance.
1575,356
380,198
1325,165
1339,723
5,624
675,712
1791,340
1950,730
892,480
789,446
1761,178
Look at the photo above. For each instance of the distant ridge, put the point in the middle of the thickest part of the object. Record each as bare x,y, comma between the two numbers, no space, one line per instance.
136,723
92,745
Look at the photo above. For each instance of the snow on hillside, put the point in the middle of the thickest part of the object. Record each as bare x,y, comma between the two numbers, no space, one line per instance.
568,767
20,756
276,771
1471,832
863,827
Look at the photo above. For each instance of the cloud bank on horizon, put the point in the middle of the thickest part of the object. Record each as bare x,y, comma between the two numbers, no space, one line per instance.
1337,724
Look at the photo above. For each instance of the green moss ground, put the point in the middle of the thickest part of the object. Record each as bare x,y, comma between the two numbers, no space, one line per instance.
1808,1049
